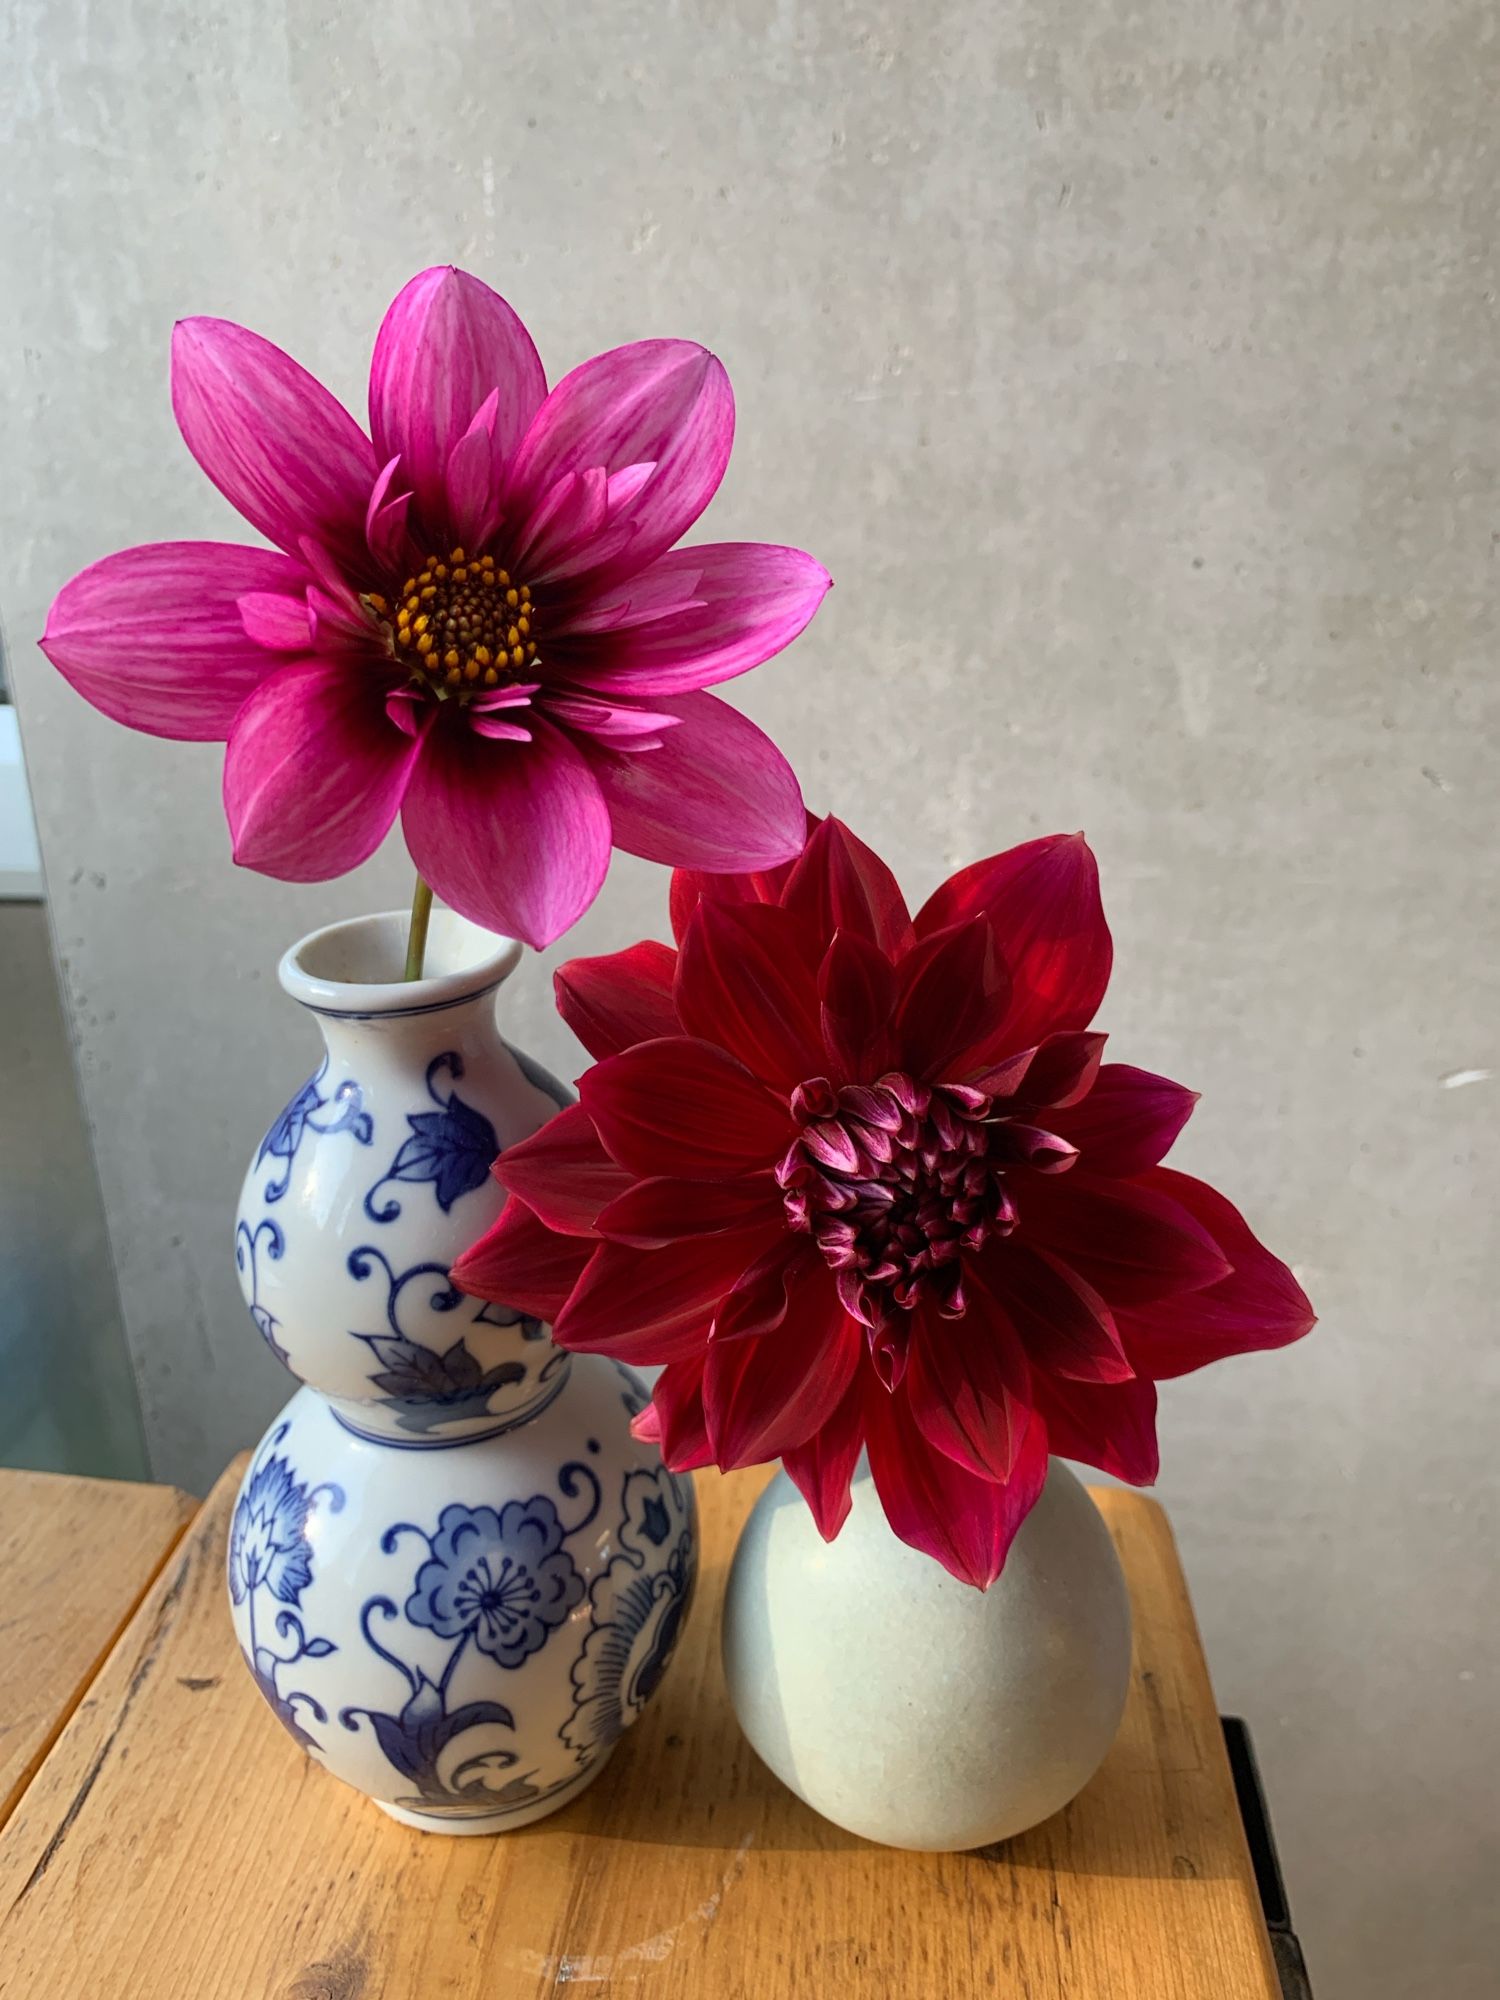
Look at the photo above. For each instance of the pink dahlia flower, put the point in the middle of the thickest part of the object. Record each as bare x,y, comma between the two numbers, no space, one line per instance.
863,1181
478,617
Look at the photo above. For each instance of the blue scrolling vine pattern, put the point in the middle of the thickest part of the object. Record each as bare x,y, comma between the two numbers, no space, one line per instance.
437,1386
500,1581
452,1148
248,1246
270,1556
301,1116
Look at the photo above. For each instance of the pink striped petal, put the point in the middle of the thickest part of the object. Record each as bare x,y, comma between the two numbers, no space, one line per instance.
280,624
663,403
385,517
717,795
279,448
153,637
727,607
612,724
617,1000
934,1505
472,479
446,344
514,836
314,773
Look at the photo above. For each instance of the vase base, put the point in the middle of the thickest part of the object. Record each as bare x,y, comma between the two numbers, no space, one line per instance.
500,1822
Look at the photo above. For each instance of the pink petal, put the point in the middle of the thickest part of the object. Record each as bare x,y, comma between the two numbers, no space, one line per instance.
655,1305
968,1387
280,624
1043,899
823,1468
685,1108
934,1505
613,725
1064,1325
617,1000
674,1420
446,344
522,1263
563,1173
1259,1305
840,884
770,1392
745,981
514,836
717,795
314,773
666,403
725,608
279,448
1108,1424
661,1210
472,481
1127,1122
154,637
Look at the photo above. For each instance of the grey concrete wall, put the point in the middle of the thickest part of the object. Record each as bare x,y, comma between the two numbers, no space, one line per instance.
1135,370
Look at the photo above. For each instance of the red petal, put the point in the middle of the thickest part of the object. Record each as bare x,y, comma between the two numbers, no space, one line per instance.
1130,1241
933,1505
1064,1325
674,1421
690,886
654,1305
1057,1072
767,1394
684,1107
1043,899
840,884
1108,1424
1128,1120
822,1469
625,997
523,1263
563,1173
1259,1305
746,979
968,1387
661,1210
857,986
953,991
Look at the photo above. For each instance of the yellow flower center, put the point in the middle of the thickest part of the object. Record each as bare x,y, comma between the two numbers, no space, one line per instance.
460,624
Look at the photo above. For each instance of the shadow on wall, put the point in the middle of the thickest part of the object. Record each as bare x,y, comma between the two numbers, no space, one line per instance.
69,1401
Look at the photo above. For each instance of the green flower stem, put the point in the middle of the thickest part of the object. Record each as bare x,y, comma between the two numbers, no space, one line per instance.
416,937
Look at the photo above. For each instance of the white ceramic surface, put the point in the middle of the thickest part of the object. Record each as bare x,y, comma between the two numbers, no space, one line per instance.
906,1706
455,1574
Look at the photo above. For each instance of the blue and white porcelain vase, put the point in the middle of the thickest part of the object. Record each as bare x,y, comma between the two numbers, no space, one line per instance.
454,1573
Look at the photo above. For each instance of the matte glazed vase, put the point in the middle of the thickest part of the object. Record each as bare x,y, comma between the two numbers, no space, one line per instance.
908,1707
455,1575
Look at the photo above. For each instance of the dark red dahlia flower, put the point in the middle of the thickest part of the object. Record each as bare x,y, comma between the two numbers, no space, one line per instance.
861,1180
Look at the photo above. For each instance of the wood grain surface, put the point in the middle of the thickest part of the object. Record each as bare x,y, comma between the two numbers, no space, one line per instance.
76,1557
175,1843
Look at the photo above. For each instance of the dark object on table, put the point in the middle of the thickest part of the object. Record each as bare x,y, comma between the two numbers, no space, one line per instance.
1252,1802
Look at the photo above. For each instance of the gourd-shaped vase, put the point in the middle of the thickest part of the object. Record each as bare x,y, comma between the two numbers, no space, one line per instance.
455,1575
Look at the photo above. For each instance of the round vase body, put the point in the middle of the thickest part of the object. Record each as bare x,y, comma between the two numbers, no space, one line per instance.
454,1573
908,1707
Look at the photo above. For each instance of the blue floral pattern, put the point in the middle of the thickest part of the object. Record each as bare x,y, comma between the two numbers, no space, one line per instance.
639,1606
503,1577
270,1552
248,1244
452,1148
301,1116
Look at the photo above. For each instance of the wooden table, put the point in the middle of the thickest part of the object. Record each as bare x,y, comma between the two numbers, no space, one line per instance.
161,1837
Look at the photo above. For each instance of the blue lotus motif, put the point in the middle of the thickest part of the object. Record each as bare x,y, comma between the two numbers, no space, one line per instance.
453,1147
268,1541
504,1577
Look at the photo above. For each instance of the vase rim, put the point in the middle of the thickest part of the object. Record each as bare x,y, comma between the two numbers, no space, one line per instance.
354,968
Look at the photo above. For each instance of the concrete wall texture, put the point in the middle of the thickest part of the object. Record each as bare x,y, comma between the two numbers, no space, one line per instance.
1134,369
